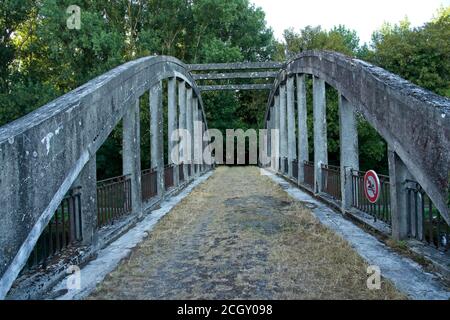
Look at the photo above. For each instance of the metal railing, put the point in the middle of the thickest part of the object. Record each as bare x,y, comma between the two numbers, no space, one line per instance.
308,169
331,181
63,230
189,170
285,166
181,172
168,176
295,169
113,199
424,220
149,184
382,208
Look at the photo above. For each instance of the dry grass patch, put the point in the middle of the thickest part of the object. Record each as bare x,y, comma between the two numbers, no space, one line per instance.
240,236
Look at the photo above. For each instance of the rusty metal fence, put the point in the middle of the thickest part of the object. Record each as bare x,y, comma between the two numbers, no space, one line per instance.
181,173
113,199
285,169
63,231
295,169
308,169
380,210
331,181
149,184
168,176
424,220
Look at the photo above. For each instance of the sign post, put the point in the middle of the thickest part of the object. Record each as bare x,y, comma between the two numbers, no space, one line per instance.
371,186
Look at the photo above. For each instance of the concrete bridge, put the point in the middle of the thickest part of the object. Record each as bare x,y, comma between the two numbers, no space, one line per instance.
51,204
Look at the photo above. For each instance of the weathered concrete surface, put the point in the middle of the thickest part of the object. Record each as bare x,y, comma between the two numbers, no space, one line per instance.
407,275
43,153
348,139
414,122
320,131
302,126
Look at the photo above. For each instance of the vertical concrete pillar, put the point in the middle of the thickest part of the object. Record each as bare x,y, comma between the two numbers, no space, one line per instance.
156,130
204,143
302,129
194,103
271,142
172,126
269,139
277,127
348,137
291,142
182,120
274,138
283,127
398,173
131,155
87,182
198,139
189,128
320,131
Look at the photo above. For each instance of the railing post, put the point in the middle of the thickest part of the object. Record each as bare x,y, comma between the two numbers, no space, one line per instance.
277,127
291,146
275,139
204,143
156,129
87,182
198,139
269,139
320,131
272,136
348,137
172,126
398,174
131,155
189,129
182,122
283,127
303,150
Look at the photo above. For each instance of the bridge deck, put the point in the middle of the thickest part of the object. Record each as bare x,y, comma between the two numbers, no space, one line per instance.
239,235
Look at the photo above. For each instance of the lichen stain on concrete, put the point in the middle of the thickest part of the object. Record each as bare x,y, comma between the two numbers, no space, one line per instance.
46,141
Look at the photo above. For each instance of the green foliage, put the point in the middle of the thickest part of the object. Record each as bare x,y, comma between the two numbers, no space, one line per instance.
41,59
420,55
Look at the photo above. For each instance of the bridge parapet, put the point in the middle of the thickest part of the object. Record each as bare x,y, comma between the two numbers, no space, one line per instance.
51,150
414,122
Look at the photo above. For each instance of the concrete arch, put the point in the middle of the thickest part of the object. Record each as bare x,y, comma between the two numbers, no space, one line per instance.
415,122
43,153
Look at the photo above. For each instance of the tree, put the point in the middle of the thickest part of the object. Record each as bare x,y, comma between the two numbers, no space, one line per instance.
420,55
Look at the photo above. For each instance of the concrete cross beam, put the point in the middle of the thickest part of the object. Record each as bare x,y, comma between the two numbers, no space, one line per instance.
236,66
230,87
235,75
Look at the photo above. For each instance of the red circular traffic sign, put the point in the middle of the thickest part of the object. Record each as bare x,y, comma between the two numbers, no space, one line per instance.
371,186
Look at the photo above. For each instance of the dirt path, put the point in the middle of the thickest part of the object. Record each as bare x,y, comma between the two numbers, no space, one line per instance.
240,236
